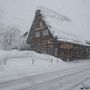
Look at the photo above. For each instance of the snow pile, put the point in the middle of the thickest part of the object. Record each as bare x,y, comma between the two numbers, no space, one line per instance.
86,84
16,64
8,55
58,23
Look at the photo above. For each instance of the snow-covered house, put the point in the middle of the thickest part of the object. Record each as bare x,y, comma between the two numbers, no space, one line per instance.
46,36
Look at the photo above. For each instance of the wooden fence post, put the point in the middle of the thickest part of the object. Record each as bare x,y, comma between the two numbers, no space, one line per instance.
51,60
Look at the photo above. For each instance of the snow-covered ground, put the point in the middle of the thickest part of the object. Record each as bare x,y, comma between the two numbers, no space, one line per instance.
14,64
28,70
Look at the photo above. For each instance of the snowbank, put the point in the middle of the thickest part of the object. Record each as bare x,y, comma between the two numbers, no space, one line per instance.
17,64
8,55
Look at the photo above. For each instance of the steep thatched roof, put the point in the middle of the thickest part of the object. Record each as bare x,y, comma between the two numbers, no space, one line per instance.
57,23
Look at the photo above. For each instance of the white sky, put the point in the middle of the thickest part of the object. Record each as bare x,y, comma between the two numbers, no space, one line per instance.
21,13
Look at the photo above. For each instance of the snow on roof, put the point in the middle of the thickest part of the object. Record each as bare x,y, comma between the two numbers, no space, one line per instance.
58,23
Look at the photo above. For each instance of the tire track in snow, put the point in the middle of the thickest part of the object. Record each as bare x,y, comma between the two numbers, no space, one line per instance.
46,81
66,82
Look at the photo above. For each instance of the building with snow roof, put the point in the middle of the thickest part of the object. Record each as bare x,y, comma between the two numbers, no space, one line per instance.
46,36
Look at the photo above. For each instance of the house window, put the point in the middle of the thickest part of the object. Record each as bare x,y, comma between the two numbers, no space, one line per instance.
41,24
51,49
37,34
56,51
45,32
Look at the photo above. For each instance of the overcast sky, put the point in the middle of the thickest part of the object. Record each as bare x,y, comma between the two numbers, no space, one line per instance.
21,13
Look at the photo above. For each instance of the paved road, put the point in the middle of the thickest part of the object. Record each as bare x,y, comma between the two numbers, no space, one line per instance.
67,79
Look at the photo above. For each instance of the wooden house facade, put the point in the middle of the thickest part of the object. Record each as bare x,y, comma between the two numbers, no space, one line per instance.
42,40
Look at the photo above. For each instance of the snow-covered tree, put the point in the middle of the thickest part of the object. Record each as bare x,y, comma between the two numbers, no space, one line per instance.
22,45
10,38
